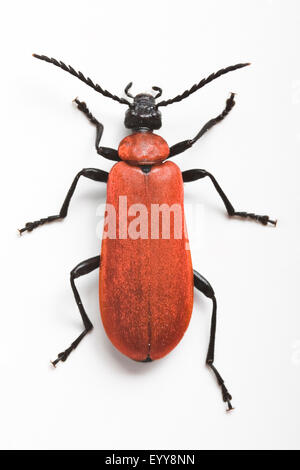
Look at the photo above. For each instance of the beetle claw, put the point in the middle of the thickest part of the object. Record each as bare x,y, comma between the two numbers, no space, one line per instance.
21,230
230,407
55,362
273,222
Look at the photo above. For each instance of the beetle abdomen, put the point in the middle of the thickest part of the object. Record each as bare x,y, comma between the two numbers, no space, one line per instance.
146,276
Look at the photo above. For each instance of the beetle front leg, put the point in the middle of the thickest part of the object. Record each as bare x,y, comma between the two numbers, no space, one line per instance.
91,173
85,267
204,286
106,152
186,144
196,174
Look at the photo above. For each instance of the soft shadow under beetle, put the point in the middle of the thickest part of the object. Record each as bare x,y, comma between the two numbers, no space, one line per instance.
146,285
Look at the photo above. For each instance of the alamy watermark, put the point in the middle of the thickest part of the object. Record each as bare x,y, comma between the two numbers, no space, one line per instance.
154,221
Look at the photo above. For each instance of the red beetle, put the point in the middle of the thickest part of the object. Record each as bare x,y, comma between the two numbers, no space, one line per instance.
146,277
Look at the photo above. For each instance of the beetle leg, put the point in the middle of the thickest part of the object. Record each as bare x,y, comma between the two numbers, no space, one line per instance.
81,269
91,173
204,286
186,144
196,174
106,152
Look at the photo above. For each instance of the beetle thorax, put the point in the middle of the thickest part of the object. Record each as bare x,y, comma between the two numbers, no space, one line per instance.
143,148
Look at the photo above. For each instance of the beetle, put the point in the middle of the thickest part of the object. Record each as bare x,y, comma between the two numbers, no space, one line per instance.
146,284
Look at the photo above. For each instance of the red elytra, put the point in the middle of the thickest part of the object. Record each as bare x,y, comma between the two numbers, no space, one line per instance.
146,285
143,148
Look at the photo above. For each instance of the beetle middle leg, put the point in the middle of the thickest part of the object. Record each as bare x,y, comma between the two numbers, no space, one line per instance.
85,267
204,286
106,152
196,174
91,173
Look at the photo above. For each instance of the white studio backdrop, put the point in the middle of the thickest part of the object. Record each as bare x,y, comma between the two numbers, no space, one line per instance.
99,399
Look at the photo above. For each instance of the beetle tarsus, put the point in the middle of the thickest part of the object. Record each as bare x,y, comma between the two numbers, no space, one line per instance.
63,356
29,226
263,219
81,105
225,393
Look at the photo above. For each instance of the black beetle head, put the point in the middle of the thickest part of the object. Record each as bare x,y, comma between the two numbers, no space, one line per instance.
143,113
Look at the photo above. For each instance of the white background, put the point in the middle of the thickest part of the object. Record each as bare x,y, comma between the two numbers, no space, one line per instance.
99,399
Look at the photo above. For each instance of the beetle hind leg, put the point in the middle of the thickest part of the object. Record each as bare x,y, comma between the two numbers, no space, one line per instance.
204,286
81,269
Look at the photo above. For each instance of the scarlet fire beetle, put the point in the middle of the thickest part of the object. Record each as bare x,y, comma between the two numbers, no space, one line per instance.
146,284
